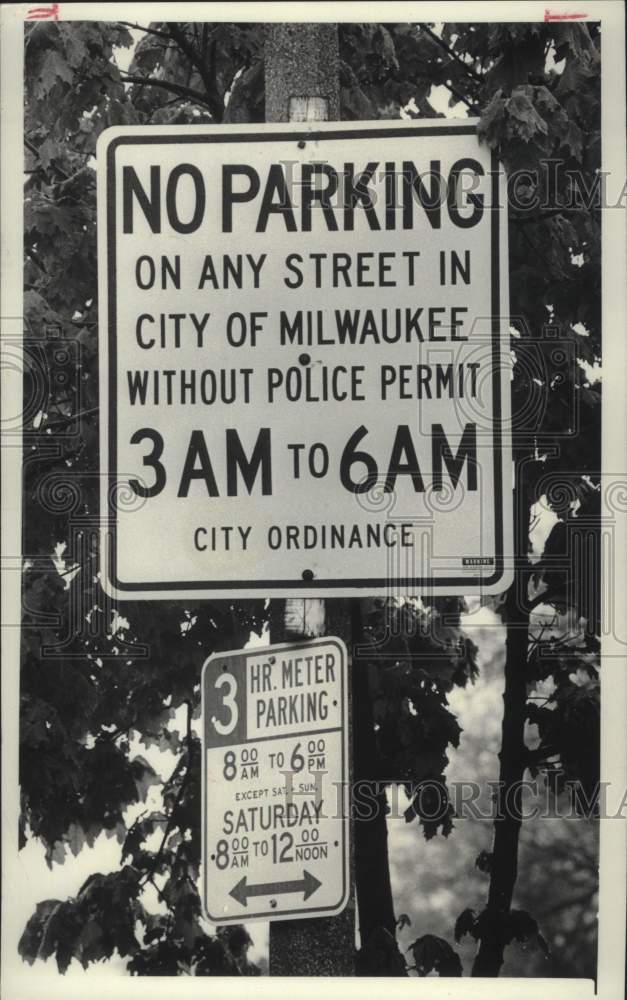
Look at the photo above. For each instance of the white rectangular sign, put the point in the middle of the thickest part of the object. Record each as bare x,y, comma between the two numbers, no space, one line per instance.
305,369
275,829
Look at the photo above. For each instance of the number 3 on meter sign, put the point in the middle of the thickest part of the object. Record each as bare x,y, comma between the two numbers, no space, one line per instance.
228,697
224,698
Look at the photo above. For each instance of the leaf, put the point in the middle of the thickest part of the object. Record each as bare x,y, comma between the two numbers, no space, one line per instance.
145,776
492,120
60,934
434,954
237,938
430,804
91,946
52,68
521,109
517,925
75,838
30,941
466,923
521,925
355,104
56,854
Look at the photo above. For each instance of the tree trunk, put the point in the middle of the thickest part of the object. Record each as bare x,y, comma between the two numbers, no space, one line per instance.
508,819
375,906
372,867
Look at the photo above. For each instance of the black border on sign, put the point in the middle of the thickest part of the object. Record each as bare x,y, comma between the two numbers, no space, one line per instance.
272,915
466,584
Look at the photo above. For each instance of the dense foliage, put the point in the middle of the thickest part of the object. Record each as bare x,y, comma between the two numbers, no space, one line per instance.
96,687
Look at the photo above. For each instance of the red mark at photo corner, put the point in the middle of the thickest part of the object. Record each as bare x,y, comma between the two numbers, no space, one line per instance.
553,15
49,13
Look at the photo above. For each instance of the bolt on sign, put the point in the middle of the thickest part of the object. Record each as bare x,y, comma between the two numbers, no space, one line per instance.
304,360
275,834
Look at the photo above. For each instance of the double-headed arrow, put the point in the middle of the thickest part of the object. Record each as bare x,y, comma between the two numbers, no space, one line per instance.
307,885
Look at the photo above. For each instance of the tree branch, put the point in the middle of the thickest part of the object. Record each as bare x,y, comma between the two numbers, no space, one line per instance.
544,598
460,97
173,88
452,55
196,60
149,31
563,904
523,220
71,418
33,149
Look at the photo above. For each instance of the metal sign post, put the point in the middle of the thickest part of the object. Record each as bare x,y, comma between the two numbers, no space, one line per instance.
303,83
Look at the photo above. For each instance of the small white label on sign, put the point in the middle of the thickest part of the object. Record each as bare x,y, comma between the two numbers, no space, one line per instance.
275,835
309,109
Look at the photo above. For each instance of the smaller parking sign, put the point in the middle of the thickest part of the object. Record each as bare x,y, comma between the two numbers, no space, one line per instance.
275,829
